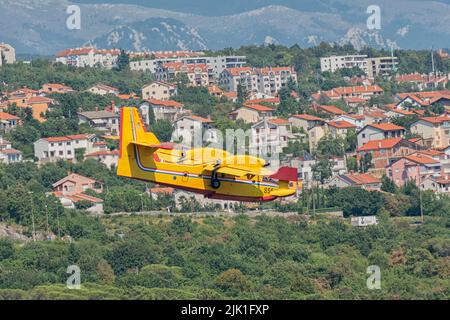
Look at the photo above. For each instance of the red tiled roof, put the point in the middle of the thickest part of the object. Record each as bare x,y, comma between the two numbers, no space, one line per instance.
198,118
7,116
103,153
38,99
237,71
10,151
308,117
386,126
162,190
435,120
166,103
258,107
279,121
421,159
341,124
79,136
57,139
362,178
267,100
375,114
380,144
332,109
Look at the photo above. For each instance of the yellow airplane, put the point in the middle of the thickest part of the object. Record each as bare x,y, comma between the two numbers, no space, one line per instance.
212,172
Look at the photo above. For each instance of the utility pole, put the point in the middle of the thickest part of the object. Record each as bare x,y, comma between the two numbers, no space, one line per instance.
142,209
32,215
57,221
46,216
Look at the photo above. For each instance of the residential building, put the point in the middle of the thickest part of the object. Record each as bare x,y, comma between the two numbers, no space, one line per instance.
355,119
52,149
379,66
159,90
375,116
251,113
379,131
216,65
435,131
8,154
440,185
304,165
48,88
314,135
364,221
363,92
265,80
334,63
339,128
270,136
421,82
88,57
360,180
39,106
194,131
70,190
414,168
197,74
422,99
306,121
7,54
103,121
339,166
385,151
109,158
103,89
162,110
8,122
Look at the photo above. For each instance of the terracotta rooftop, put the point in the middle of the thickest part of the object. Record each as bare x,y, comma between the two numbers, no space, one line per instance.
332,109
386,126
307,117
7,116
421,159
360,178
341,124
380,144
165,103
258,107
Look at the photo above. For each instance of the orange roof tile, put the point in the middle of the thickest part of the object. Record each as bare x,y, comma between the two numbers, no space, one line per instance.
421,159
386,126
198,118
166,103
279,121
341,124
7,116
307,117
361,178
380,144
258,107
332,109
435,120
267,100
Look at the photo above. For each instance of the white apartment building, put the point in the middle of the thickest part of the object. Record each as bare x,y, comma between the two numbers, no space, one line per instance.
194,131
215,64
264,80
372,67
270,136
88,57
334,63
54,148
7,53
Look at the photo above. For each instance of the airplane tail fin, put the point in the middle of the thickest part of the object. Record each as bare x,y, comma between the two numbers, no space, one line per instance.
287,180
134,141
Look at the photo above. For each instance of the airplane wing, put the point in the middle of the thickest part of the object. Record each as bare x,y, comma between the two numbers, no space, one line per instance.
151,145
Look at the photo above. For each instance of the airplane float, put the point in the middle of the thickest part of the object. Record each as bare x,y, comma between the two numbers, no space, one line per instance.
215,173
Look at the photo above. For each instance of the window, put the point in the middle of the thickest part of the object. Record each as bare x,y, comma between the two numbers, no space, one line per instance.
363,135
61,153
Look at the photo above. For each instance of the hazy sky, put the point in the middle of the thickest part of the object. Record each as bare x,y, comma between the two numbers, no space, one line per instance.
225,7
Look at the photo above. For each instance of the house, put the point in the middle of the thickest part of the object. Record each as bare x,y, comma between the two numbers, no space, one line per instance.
158,191
433,130
375,116
304,165
440,185
39,106
88,57
329,110
415,168
379,131
306,121
422,99
162,110
231,96
251,113
159,90
355,119
270,136
48,88
70,190
197,74
422,82
259,98
215,91
360,180
8,122
65,147
355,102
339,166
364,221
363,92
194,131
103,89
314,135
8,155
398,113
107,157
104,121
339,128
385,151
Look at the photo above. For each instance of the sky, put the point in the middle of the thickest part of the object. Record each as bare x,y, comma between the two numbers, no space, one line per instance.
226,7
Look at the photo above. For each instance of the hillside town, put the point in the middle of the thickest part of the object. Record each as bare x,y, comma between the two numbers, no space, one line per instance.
352,135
